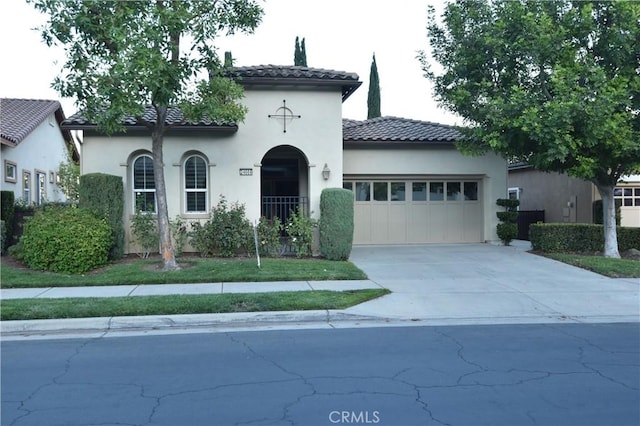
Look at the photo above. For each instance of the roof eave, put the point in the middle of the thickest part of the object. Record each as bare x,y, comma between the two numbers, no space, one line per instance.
350,143
348,87
228,129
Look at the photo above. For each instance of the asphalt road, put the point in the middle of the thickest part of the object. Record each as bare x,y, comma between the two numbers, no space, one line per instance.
557,374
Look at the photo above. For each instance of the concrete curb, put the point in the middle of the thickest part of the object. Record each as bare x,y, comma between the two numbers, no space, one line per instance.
100,326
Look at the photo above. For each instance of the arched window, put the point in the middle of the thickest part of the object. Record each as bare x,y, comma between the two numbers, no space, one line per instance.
195,184
144,185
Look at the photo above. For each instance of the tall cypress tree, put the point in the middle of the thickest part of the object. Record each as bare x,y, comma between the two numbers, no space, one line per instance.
373,99
228,60
297,55
303,54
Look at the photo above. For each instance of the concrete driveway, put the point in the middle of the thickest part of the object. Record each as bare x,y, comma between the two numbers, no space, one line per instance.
484,283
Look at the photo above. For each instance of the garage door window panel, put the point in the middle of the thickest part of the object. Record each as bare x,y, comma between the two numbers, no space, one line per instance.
380,191
419,191
471,191
453,191
436,191
397,191
363,191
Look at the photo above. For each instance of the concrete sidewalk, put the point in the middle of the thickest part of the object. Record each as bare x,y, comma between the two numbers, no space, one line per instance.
430,284
172,289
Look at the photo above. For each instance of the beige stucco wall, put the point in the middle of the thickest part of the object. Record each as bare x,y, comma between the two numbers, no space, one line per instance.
317,134
434,162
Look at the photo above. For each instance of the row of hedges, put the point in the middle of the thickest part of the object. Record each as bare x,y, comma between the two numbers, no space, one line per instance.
578,237
72,239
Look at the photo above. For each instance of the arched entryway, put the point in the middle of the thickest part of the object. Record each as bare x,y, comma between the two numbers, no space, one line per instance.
284,182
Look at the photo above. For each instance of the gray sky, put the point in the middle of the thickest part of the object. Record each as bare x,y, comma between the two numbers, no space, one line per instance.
339,34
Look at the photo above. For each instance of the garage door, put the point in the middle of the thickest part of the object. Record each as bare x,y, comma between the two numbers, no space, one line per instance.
417,211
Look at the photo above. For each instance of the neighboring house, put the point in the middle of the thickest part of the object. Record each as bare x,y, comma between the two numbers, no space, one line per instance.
568,199
33,146
290,147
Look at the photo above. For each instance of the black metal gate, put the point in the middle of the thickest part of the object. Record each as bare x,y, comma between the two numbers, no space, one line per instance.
526,218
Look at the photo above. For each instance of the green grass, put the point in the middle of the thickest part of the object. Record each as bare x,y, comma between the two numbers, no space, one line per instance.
194,270
28,309
614,268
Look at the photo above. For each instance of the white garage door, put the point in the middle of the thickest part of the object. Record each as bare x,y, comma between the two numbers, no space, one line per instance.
417,211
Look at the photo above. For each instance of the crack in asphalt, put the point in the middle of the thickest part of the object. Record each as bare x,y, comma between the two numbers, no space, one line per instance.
589,366
54,380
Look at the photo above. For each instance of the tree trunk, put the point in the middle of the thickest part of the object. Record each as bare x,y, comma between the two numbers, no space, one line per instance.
609,221
166,247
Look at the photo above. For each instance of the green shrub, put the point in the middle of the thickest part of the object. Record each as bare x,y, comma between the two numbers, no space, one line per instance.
508,217
226,233
578,237
144,228
508,203
3,233
299,228
507,230
104,195
201,238
65,240
179,234
7,214
269,236
336,223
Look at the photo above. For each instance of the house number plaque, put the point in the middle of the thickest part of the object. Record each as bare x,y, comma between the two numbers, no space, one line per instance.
246,172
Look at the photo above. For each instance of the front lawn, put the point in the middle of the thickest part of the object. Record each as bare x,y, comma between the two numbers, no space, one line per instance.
29,309
194,270
614,268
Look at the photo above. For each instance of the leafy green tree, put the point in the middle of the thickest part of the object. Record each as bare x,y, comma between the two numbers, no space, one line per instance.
123,56
69,179
373,98
553,83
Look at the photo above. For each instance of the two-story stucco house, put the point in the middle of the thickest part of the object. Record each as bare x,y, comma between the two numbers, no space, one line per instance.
410,183
33,146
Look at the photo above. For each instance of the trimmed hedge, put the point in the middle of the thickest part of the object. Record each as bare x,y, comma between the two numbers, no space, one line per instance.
103,194
7,214
65,240
578,237
3,234
336,223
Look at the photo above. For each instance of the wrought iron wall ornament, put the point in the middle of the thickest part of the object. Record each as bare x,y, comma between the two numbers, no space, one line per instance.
285,115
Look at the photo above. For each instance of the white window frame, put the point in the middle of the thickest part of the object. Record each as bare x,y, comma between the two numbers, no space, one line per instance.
26,186
634,197
10,171
41,187
514,190
136,191
204,190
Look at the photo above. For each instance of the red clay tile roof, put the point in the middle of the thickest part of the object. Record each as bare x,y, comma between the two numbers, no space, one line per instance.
20,117
385,130
295,76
